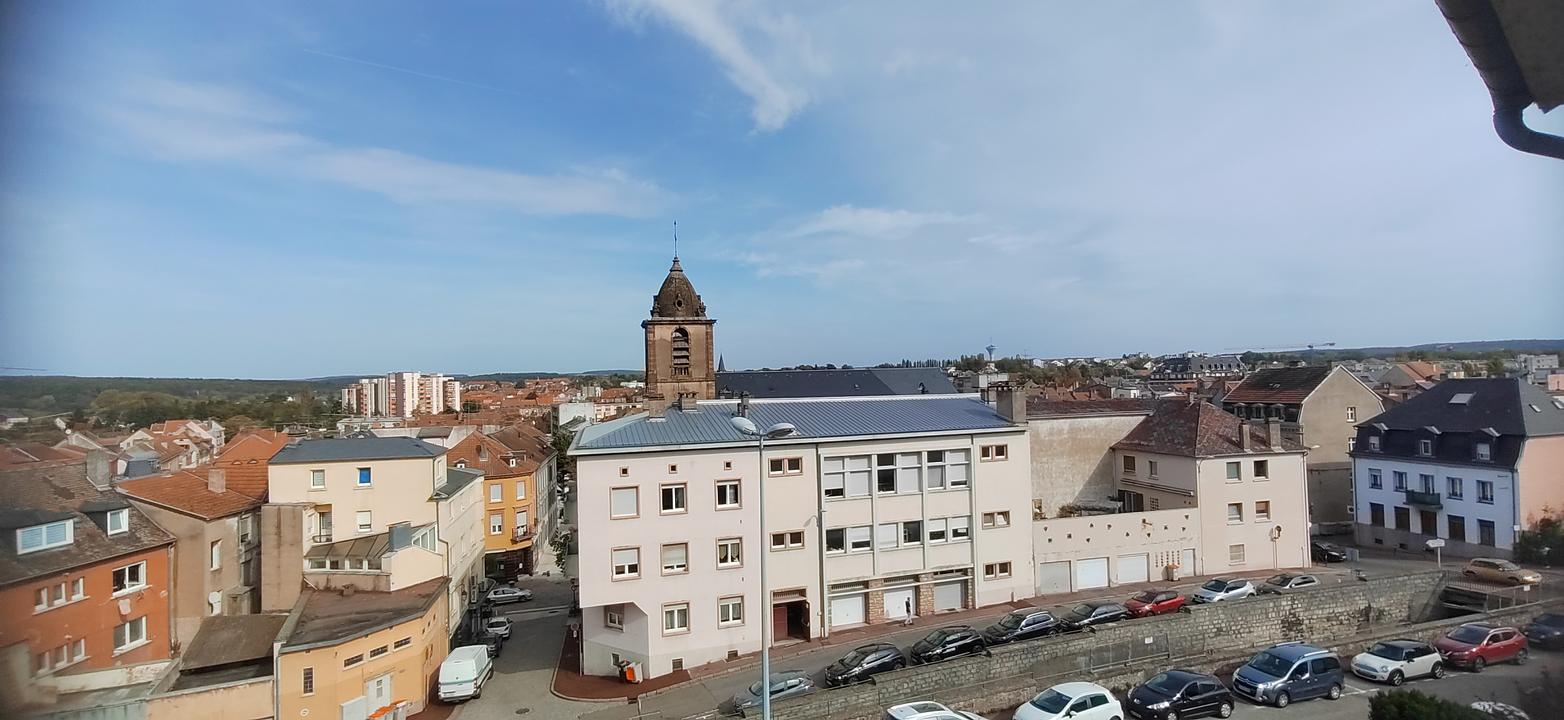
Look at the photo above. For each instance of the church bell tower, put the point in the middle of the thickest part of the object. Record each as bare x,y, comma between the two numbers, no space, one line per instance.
678,345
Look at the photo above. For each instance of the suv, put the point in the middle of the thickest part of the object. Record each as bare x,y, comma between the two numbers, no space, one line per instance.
1326,552
1220,589
1022,625
863,662
1283,673
1180,693
946,643
1476,645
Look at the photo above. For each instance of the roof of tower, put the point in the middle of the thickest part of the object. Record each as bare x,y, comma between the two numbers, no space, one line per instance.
677,297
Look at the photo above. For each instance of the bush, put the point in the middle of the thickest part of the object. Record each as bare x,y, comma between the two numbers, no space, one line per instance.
1543,543
1414,705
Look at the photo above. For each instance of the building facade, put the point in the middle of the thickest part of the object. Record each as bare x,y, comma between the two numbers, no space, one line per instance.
679,344
402,394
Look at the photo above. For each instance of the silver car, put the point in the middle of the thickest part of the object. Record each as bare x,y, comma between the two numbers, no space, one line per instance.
507,594
1288,583
785,684
1219,589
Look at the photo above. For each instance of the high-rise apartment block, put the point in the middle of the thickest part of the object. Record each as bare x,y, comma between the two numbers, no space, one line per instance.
403,394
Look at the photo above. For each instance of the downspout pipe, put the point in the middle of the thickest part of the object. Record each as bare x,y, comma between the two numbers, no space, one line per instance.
1476,26
1511,127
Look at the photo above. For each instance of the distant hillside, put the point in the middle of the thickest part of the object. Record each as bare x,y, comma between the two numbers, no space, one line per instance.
46,394
1473,346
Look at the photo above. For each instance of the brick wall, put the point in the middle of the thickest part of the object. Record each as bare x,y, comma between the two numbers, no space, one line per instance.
1122,654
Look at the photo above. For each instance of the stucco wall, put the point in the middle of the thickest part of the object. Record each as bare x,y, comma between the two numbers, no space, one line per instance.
413,668
399,491
1500,512
1541,478
1072,458
247,700
1326,430
1279,541
194,580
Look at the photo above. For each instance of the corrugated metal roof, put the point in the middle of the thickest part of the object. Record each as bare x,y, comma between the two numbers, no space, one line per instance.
711,423
356,448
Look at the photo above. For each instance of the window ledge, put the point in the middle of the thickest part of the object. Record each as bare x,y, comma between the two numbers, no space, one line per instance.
129,591
128,648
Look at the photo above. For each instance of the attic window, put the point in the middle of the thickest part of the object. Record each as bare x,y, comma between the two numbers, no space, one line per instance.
1460,398
43,537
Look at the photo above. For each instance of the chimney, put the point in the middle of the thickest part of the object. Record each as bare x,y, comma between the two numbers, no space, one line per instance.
99,468
1190,397
216,480
1273,429
1010,401
744,404
1245,436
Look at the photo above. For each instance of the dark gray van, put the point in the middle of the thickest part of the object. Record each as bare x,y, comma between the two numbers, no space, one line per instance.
1292,671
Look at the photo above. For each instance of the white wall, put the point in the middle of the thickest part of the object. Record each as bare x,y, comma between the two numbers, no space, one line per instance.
1501,511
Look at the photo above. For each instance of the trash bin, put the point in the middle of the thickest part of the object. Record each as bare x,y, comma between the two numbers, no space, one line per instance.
630,671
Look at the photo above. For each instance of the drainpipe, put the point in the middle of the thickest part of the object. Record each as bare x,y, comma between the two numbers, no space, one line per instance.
824,611
1476,25
1511,127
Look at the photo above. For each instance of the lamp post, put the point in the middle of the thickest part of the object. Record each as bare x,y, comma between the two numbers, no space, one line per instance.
748,428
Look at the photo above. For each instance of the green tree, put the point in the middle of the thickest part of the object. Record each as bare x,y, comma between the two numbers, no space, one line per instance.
1543,542
1414,705
1495,367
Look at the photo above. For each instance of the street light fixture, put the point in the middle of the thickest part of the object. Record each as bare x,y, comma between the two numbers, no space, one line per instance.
748,428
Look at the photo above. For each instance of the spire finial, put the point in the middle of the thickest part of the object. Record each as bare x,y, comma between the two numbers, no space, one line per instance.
676,241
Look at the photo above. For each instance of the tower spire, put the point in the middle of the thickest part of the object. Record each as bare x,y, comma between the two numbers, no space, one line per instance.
676,241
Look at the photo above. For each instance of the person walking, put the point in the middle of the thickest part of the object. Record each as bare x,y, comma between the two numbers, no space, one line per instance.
907,619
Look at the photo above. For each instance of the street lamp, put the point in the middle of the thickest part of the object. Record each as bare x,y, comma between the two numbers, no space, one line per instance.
748,428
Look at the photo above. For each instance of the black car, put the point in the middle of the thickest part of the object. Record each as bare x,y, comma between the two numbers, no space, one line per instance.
1022,625
1546,631
864,662
1326,552
1087,614
1179,694
946,643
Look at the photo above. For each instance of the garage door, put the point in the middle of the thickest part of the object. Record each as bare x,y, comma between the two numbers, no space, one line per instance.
1053,577
1131,568
847,610
1186,563
896,603
1092,573
950,596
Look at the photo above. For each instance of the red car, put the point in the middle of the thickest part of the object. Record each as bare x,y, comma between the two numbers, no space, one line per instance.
1154,602
1475,645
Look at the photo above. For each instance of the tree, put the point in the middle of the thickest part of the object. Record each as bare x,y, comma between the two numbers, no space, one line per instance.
470,406
1414,705
1495,367
1543,542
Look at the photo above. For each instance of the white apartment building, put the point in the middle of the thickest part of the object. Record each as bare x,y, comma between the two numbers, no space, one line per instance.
402,394
874,504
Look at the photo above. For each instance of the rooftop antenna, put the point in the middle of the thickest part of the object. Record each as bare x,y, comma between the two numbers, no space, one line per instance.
676,239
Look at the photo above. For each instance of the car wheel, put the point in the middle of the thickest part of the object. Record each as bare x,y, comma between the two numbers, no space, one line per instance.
898,665
1439,670
1335,692
1396,678
1224,710
1172,715
1522,656
1478,664
1469,574
1283,699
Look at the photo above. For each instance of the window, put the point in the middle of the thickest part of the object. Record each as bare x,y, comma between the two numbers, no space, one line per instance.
1235,554
730,611
1457,528
995,571
1455,488
846,476
1233,472
996,519
404,642
428,538
1352,444
624,472
624,502
1400,478
1403,518
496,523
1262,469
994,452
1235,513
912,532
885,473
1374,443
836,540
858,538
118,521
317,479
496,493
365,520
886,535
130,577
1485,533
727,465
673,469
511,462
41,599
355,660
521,489
958,468
676,618
936,530
790,540
909,472
215,557
1352,413
308,681
363,477
681,351
521,520
1376,479
1485,492
78,588
1129,464
461,464
1376,514
43,537
730,552
483,452
614,616
377,652
1262,510
130,634
786,466
1484,451
676,558
1425,447
960,528
627,563
673,498
727,494
1151,468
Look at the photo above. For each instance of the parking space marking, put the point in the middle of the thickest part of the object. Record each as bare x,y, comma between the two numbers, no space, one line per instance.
1355,690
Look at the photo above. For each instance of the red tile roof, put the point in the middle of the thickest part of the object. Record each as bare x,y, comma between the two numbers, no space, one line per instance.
244,460
186,491
1288,385
1199,429
32,454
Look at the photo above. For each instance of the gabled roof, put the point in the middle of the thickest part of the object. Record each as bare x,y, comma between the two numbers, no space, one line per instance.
488,455
33,454
228,639
245,457
355,448
1287,385
455,479
185,491
1179,427
59,492
854,382
1510,406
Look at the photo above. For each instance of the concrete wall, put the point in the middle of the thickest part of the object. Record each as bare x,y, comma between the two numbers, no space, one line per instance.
1072,460
243,700
282,556
1161,536
194,580
1326,430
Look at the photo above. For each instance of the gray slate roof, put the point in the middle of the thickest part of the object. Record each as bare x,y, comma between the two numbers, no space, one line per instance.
814,419
355,448
855,382
1504,404
457,478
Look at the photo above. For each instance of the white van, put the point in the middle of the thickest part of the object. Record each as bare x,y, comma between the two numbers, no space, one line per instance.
464,672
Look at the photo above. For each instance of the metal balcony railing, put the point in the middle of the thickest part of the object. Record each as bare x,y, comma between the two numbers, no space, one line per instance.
320,539
1423,499
522,534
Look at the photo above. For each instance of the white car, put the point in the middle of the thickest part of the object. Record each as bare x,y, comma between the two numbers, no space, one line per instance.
508,594
1397,661
498,627
1074,700
927,710
1220,589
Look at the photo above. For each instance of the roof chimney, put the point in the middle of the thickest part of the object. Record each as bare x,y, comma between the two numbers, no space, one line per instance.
1273,430
744,404
1010,401
217,480
99,468
1245,437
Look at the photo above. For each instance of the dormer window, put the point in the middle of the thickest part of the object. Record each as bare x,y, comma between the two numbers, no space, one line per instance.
512,462
43,537
1425,447
1374,443
483,453
1484,451
119,521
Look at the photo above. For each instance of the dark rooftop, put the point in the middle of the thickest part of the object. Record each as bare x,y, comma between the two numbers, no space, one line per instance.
1288,385
330,617
59,492
457,478
834,383
1179,427
228,639
1510,406
355,448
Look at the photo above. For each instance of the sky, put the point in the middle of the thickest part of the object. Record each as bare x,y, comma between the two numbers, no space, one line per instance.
301,189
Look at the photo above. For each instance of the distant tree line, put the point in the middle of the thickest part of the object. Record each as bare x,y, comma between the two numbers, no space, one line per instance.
142,408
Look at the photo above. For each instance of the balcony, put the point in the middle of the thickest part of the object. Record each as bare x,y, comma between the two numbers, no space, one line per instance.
321,539
522,534
1423,499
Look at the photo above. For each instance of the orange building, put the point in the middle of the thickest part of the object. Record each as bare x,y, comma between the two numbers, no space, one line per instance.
510,460
84,580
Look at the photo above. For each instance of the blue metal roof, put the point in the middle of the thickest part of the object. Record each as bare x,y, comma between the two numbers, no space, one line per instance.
710,422
355,448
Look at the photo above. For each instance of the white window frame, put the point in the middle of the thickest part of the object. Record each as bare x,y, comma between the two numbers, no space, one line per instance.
994,453
521,488
723,546
1425,447
1234,471
997,570
887,543
678,492
134,626
1262,470
996,519
730,611
959,528
496,523
118,521
1260,516
614,616
1235,518
1374,443
1484,451
860,538
1239,558
635,494
736,488
138,569
627,573
364,478
1352,413
1485,485
787,540
790,466
676,566
215,555
317,475
364,521
66,538
496,493
676,618
933,526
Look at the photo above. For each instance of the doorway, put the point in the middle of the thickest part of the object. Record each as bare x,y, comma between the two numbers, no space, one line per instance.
790,621
378,691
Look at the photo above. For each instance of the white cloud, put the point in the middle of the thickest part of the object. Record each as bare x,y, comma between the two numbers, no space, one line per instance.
873,222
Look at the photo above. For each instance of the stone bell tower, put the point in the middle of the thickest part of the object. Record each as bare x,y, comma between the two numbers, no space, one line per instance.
678,345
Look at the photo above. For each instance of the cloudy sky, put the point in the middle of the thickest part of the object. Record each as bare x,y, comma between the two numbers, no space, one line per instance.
298,189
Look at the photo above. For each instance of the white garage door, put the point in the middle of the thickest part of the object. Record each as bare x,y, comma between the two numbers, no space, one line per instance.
1053,577
1092,573
1186,563
847,610
950,596
896,603
1132,568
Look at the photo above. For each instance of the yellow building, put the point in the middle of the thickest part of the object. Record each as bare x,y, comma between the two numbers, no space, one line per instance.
516,464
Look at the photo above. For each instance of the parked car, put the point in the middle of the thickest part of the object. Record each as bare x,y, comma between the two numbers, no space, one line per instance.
1074,700
498,627
785,684
946,643
506,594
463,673
1022,625
1288,583
1500,571
1220,589
1478,645
927,710
493,643
1325,552
1396,661
863,662
1283,673
1154,602
1546,631
1178,694
1087,614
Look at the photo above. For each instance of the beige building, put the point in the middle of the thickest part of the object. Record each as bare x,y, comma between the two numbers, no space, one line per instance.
1072,441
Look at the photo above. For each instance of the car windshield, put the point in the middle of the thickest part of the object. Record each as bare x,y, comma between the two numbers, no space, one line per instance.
1279,580
1080,612
1150,596
1468,634
1552,619
1011,622
1165,684
1215,586
1271,665
1051,701
777,684
1506,565
852,658
1387,651
939,636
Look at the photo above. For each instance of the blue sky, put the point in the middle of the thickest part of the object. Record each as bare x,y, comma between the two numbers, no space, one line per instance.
299,189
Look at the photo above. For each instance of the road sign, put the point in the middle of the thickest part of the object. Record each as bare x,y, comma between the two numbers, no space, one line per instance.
1436,543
